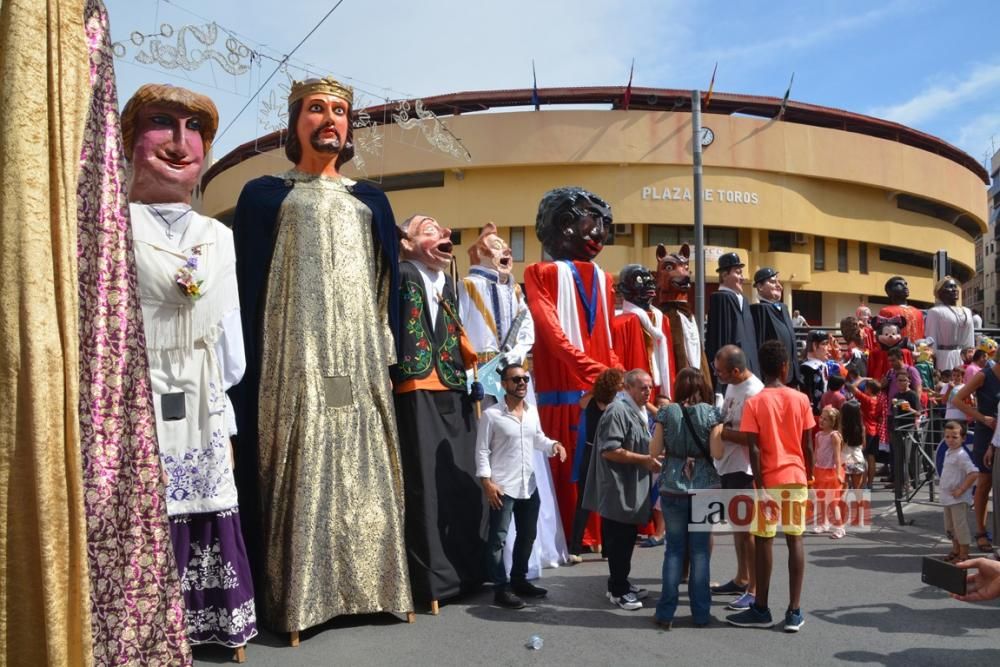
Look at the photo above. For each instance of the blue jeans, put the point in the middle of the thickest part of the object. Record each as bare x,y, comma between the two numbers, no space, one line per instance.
525,513
676,512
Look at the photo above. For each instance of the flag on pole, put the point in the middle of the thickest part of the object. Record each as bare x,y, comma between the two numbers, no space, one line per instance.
784,100
534,87
711,85
628,89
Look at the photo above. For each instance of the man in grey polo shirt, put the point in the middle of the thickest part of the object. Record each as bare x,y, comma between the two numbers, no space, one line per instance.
619,483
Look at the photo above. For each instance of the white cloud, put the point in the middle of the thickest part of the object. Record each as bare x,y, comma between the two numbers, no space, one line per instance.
941,98
980,137
769,49
402,48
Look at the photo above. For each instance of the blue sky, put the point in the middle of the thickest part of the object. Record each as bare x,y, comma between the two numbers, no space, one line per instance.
933,64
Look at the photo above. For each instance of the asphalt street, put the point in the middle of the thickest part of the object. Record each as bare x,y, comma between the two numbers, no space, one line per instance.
863,601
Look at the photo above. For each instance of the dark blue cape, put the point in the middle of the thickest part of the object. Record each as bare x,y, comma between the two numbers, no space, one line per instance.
255,228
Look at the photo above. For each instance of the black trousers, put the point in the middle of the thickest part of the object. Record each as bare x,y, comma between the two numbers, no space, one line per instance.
619,543
582,516
525,514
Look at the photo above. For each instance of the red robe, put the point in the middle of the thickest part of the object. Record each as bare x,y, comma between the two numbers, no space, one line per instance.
634,346
914,320
562,373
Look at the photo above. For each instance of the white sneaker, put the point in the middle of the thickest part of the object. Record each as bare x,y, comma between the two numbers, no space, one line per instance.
838,533
628,602
639,593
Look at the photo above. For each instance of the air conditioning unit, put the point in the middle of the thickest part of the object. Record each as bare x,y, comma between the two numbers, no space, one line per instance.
798,238
623,230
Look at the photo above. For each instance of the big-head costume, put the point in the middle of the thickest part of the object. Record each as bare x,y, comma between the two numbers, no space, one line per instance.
446,516
317,265
673,281
194,342
572,303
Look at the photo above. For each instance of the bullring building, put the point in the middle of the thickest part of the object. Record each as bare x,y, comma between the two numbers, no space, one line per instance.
838,202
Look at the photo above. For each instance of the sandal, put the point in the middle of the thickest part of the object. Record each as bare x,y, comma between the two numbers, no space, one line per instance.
983,542
951,557
651,542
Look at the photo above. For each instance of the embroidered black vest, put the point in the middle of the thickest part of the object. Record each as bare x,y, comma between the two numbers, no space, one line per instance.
424,348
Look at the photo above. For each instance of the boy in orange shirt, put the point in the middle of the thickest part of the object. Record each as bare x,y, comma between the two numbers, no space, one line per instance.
778,422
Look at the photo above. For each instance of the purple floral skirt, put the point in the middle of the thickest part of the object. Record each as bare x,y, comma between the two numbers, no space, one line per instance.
215,577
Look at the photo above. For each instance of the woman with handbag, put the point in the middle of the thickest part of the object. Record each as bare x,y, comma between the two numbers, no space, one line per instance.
688,434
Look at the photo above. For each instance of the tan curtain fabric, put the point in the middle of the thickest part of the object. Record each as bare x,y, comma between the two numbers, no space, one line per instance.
44,92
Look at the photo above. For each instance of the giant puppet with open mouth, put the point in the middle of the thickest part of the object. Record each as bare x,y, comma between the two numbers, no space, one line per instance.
435,414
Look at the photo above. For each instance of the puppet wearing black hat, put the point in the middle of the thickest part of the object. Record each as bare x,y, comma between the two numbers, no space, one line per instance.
772,321
729,319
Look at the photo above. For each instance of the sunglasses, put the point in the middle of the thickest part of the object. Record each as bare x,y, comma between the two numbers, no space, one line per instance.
519,379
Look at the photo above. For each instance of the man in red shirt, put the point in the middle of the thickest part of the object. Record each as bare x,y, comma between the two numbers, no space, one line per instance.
778,422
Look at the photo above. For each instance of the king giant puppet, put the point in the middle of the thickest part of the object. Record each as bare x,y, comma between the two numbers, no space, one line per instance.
572,302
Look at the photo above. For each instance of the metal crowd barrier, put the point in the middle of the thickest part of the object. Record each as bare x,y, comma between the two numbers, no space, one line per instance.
913,448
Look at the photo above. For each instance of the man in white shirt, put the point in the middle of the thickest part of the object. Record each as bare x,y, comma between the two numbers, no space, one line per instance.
734,466
508,432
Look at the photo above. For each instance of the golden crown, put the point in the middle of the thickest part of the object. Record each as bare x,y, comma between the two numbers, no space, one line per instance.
327,85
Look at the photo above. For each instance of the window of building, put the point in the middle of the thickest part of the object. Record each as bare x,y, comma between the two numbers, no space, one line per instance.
863,257
923,260
842,255
675,235
779,241
517,243
819,253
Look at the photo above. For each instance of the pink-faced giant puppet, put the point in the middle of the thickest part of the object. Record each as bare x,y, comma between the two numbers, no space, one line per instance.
317,255
445,508
194,340
572,302
493,309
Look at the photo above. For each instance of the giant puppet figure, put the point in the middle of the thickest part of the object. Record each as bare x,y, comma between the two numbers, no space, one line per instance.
492,307
498,323
641,334
572,303
86,574
772,321
673,283
729,318
446,515
194,341
898,291
949,325
317,264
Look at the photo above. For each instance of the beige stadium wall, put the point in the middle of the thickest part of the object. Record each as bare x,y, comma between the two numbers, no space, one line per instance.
798,178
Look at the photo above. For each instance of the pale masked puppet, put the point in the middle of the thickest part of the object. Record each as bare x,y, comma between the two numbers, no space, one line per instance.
729,318
194,341
491,304
317,258
949,326
572,303
445,508
772,321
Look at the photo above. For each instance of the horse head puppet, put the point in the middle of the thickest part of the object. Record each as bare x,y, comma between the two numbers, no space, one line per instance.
673,274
